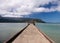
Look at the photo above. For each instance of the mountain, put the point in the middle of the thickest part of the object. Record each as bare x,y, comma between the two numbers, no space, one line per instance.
17,20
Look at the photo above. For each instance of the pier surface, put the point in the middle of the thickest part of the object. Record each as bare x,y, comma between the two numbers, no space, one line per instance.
31,35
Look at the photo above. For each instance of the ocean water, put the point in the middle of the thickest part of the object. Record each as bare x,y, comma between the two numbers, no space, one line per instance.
7,30
51,30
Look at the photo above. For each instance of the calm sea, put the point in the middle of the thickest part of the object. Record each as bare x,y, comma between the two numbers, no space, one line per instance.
8,30
52,30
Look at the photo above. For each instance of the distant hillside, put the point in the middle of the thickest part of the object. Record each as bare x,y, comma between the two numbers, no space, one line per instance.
12,19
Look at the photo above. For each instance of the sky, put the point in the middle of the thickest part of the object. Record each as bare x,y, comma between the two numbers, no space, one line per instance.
47,10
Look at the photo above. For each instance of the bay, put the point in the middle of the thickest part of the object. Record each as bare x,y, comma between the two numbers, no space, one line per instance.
51,30
8,30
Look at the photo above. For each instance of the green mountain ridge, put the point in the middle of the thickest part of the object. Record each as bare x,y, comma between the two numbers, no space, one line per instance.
17,20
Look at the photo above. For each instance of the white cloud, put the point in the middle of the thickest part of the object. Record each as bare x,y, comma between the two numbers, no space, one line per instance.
17,8
58,8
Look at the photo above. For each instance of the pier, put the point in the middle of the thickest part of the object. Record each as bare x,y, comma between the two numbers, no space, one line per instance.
30,34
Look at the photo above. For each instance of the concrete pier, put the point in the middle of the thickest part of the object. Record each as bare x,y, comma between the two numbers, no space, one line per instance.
31,35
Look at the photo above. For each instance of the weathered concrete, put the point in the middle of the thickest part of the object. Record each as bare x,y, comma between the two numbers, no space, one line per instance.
31,35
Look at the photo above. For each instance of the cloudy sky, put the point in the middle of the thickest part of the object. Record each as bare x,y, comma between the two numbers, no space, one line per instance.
47,10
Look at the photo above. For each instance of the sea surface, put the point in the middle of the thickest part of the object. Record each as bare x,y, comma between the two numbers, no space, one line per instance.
51,30
7,30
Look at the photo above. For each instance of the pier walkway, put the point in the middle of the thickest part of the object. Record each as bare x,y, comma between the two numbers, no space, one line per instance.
31,35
